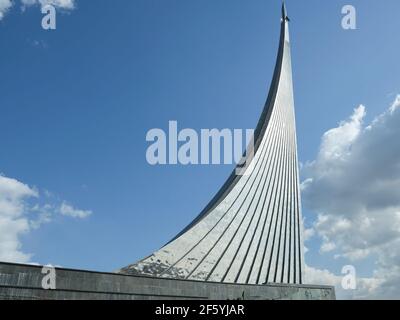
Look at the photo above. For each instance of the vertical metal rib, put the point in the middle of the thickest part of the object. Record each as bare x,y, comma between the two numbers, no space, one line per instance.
236,269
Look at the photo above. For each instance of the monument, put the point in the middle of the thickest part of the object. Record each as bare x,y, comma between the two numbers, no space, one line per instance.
251,230
247,243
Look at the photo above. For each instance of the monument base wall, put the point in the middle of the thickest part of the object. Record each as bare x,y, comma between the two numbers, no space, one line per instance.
25,282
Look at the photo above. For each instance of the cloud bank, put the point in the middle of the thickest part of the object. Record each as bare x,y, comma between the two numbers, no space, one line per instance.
354,187
21,213
366,288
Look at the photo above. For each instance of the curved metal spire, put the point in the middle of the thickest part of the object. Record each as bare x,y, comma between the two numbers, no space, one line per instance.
251,231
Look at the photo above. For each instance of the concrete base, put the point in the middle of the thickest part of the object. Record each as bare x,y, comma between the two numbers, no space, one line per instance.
25,282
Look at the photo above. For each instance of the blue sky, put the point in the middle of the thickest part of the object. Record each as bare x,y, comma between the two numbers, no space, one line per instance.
76,104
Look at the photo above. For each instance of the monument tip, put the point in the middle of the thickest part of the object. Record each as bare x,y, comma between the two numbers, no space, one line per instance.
284,12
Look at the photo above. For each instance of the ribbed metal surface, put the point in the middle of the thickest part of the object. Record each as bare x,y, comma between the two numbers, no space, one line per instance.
251,232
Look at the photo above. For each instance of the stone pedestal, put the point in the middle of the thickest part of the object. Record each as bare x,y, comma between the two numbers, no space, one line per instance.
25,282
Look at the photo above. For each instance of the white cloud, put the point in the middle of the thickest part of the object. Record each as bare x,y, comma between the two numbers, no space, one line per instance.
44,215
5,5
308,234
327,246
366,288
13,222
354,187
68,210
63,4
21,213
